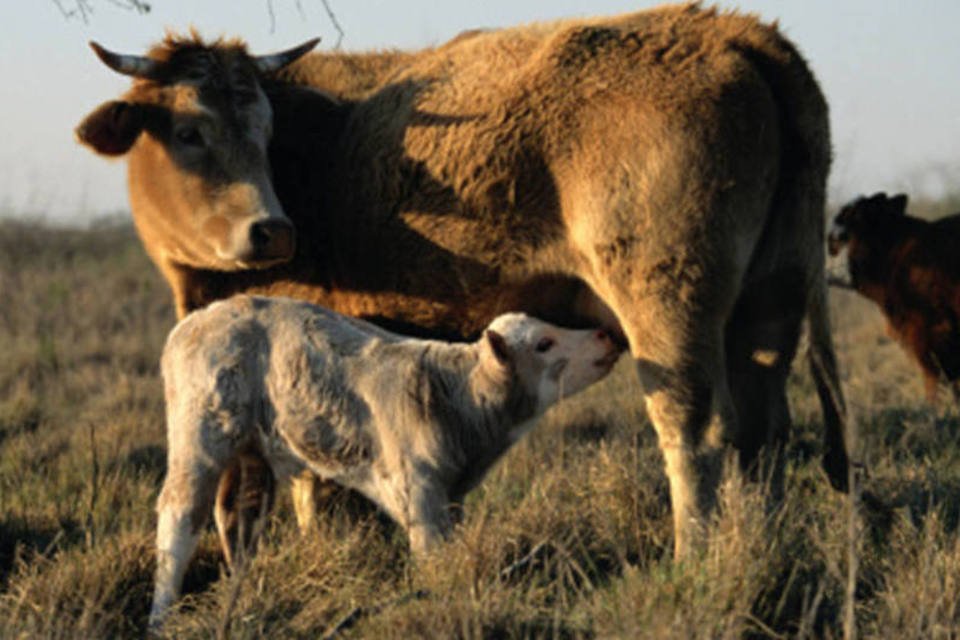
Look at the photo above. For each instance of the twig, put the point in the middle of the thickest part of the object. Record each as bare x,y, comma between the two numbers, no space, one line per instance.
357,613
526,560
343,623
83,9
273,16
91,537
237,575
764,628
336,23
854,534
856,472
239,569
47,550
132,5
808,622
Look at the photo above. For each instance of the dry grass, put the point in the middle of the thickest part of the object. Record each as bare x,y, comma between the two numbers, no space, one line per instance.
569,536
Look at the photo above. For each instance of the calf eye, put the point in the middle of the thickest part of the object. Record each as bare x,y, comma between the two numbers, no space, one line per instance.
189,136
544,345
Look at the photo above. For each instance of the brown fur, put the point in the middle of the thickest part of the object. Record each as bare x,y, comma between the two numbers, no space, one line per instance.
661,173
911,269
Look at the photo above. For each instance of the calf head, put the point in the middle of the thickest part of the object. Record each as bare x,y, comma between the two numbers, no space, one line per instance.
862,231
195,127
543,363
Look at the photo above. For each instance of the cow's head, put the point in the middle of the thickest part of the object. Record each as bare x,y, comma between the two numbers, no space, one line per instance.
195,125
861,229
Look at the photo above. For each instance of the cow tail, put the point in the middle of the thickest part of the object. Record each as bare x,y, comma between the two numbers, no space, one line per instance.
805,163
840,438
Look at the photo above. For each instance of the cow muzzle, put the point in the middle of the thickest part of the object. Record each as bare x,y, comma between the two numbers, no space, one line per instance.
270,241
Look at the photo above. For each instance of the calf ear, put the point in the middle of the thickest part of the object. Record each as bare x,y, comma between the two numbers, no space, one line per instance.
898,203
112,128
497,346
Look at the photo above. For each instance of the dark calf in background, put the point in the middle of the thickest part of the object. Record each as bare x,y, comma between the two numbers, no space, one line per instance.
911,269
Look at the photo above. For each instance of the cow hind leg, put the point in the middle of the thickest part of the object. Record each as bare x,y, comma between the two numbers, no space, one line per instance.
680,364
761,341
672,314
691,409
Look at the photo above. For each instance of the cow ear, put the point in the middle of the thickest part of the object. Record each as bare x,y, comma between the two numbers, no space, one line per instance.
496,345
898,203
112,128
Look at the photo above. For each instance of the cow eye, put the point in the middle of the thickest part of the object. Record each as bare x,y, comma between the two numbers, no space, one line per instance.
544,345
189,136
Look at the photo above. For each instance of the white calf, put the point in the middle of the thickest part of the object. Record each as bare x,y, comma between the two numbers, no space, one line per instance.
411,424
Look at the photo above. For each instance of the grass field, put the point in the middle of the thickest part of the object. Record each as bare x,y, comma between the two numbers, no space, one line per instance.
568,537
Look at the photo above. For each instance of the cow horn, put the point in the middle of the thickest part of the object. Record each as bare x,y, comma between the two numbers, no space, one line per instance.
275,61
128,65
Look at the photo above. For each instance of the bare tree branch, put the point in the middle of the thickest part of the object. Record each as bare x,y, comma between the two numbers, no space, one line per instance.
333,19
132,5
273,16
83,9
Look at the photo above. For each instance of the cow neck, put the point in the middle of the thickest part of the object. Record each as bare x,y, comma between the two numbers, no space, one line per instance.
342,239
308,126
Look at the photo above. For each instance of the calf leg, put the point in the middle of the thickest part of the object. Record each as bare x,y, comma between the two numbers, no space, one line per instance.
244,497
304,489
312,495
427,519
182,511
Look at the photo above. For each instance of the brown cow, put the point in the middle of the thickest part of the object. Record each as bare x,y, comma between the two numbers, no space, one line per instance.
911,269
661,173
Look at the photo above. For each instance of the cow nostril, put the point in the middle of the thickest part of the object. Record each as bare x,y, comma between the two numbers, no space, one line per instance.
602,335
259,235
272,238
